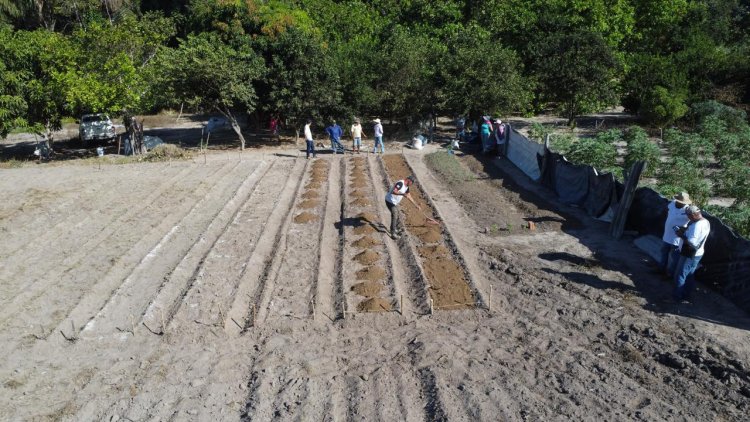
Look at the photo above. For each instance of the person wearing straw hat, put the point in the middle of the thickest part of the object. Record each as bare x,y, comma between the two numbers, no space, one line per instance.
693,237
393,198
357,134
378,134
670,241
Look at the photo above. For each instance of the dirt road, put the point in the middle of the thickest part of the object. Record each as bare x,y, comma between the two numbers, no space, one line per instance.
265,286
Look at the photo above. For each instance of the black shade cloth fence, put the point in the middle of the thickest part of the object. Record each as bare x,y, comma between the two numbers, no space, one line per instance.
726,263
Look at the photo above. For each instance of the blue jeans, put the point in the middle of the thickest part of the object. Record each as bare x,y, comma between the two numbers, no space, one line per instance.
379,141
684,276
336,146
310,148
669,257
485,142
357,142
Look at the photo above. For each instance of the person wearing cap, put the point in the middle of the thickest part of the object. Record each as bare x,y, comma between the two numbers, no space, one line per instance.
670,242
499,136
378,134
334,132
693,237
393,198
357,134
309,139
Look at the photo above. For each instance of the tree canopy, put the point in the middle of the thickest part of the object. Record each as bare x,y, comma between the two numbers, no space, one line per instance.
396,59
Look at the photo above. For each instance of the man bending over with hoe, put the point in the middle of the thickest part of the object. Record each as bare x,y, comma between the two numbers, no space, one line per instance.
393,198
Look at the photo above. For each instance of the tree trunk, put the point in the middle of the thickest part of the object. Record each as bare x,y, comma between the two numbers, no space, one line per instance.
235,126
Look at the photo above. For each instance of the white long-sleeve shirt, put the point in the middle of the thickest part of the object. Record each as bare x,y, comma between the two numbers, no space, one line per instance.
675,217
308,133
696,234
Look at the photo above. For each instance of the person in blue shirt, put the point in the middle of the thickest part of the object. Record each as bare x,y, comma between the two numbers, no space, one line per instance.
334,132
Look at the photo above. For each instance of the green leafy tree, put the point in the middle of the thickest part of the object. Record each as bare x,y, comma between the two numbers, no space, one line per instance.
301,81
640,148
205,72
13,106
681,175
577,71
737,216
599,152
407,87
34,62
691,147
733,180
481,77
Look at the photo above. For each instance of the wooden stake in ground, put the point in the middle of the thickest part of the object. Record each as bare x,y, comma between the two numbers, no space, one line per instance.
206,148
163,325
490,298
432,307
132,324
253,315
221,315
312,302
401,306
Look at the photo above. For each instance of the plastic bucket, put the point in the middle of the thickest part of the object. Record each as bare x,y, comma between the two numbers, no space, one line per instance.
100,152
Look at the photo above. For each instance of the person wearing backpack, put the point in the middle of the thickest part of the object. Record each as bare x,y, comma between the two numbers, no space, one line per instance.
692,241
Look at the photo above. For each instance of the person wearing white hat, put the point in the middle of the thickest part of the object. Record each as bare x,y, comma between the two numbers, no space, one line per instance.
670,241
378,134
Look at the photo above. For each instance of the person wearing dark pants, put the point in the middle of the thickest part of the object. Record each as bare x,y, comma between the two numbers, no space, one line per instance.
393,198
669,253
309,140
693,239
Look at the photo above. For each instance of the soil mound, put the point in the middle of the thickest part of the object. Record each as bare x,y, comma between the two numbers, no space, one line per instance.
366,242
319,177
368,288
358,183
358,160
305,218
374,304
359,193
433,250
448,287
427,234
364,229
367,257
310,203
368,216
313,184
311,194
361,202
371,274
320,164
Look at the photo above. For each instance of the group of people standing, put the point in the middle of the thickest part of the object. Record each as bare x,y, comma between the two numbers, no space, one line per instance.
335,133
683,244
491,132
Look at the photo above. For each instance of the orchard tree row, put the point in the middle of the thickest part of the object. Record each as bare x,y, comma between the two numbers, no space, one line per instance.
400,59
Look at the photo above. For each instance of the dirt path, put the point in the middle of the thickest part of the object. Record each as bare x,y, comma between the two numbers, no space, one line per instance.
236,273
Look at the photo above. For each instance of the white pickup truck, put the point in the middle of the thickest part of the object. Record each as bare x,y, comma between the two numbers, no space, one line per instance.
94,127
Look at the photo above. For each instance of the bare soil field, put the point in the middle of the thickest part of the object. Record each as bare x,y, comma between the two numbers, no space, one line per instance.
264,286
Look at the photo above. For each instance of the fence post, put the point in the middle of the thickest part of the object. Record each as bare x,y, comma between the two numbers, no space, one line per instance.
621,215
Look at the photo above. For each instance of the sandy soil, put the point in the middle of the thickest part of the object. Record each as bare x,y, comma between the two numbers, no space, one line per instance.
238,289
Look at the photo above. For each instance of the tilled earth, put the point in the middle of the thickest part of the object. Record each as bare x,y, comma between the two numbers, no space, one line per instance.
265,286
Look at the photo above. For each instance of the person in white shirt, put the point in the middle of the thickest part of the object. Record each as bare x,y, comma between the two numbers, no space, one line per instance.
378,134
393,198
692,244
309,140
670,242
357,135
